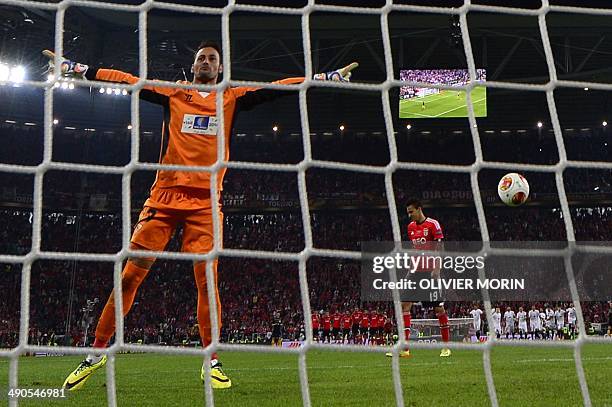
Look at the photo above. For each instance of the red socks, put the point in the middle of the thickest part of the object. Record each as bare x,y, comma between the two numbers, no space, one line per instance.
407,323
444,328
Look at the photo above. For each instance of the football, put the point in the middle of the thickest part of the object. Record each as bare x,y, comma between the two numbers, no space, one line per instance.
513,189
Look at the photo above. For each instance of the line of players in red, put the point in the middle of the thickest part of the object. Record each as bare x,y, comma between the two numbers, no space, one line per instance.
357,327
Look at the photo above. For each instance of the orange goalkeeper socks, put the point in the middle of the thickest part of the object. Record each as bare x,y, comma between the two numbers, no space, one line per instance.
131,279
204,322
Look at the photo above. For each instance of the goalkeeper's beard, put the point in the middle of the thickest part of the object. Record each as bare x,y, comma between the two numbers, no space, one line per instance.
206,77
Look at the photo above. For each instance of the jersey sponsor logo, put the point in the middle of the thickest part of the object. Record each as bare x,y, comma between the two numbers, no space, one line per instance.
425,232
188,98
196,124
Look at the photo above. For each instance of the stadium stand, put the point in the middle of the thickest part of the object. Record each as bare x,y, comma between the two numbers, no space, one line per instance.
82,213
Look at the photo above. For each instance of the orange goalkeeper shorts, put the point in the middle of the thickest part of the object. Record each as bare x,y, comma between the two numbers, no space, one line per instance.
166,208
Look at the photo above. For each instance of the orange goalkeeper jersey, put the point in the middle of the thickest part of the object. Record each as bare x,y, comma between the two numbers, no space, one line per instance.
189,132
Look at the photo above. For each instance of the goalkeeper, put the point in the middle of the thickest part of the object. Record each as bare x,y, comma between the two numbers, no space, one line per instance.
189,137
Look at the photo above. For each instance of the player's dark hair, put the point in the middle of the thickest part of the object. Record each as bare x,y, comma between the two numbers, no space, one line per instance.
414,202
210,44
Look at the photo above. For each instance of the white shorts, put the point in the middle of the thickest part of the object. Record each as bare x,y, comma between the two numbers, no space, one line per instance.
509,329
476,326
523,327
560,326
498,329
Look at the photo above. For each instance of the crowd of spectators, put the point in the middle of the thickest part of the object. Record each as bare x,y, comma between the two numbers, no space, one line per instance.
450,77
325,188
251,290
74,190
283,231
347,208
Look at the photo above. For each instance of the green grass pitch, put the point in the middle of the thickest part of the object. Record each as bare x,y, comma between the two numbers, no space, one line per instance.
444,104
523,377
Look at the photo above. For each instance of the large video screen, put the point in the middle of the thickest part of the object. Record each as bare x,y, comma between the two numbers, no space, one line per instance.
430,103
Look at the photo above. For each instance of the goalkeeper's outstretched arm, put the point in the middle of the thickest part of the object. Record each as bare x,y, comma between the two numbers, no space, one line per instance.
248,98
71,69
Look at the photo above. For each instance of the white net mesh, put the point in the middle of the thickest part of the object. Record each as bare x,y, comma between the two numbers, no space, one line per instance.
300,169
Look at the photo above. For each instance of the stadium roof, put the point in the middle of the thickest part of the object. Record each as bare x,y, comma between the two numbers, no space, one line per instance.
379,3
267,47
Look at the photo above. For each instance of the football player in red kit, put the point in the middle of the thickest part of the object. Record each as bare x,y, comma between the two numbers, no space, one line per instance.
327,323
373,328
364,327
356,321
336,318
347,321
316,326
425,233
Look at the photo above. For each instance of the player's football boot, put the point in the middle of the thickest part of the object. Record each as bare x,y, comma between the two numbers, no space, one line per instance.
79,376
218,379
403,354
445,353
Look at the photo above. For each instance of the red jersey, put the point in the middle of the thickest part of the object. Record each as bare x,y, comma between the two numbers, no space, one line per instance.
357,317
336,320
423,235
346,321
365,321
374,321
388,325
381,321
315,321
327,323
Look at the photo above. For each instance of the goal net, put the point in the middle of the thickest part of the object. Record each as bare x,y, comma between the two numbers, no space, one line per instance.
304,13
462,330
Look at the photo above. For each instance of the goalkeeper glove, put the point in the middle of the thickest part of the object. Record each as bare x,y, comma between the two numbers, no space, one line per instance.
341,75
68,68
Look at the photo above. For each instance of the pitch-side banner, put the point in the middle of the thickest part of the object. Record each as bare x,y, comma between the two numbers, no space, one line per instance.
292,344
473,271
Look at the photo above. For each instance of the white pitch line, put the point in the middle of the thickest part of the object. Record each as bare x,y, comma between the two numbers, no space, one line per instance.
563,360
459,107
411,362
423,115
435,95
438,115
368,366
